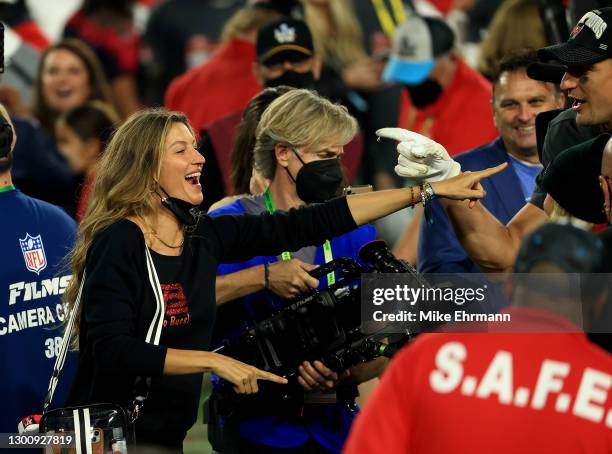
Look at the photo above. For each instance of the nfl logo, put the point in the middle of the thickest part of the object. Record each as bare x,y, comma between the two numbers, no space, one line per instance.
33,253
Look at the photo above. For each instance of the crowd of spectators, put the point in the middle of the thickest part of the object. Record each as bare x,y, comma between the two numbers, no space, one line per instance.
197,57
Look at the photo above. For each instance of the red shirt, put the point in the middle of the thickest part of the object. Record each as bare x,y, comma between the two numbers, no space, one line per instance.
460,119
31,33
496,393
118,50
219,87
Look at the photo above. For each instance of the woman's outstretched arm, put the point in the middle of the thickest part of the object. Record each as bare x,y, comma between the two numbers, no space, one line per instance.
371,206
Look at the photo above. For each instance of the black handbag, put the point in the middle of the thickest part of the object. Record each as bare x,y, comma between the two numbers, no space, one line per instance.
98,428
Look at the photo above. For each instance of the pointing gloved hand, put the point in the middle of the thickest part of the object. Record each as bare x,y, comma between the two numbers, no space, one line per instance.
420,158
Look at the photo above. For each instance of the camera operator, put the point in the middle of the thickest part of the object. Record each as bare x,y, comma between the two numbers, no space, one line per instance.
145,199
306,173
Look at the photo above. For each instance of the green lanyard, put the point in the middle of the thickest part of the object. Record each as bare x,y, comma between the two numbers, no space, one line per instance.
7,188
327,250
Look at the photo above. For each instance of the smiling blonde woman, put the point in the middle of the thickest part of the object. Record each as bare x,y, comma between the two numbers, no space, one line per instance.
140,223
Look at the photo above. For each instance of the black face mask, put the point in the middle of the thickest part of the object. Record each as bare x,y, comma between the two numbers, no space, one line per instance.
293,79
317,181
425,93
185,212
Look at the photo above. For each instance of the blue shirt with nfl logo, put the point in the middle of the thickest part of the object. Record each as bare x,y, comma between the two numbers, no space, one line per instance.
35,236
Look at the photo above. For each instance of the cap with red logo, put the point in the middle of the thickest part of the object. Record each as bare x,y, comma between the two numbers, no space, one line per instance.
589,41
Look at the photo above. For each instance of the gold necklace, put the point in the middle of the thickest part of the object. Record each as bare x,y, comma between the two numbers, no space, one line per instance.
169,245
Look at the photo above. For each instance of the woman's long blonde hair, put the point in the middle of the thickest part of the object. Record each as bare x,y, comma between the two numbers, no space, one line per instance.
343,44
125,183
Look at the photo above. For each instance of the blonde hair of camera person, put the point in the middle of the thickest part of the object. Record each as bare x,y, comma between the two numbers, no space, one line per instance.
300,118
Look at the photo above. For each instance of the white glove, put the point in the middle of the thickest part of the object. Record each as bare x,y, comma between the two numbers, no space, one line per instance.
420,158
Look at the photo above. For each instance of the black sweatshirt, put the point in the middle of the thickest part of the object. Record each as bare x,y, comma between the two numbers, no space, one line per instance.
118,305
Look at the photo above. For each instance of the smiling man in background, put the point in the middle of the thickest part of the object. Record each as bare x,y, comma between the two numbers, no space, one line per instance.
517,100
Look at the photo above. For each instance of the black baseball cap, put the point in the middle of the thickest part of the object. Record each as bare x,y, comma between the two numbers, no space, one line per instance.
589,41
546,72
572,179
287,38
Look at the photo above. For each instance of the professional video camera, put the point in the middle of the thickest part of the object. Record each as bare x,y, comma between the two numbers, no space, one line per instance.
323,325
